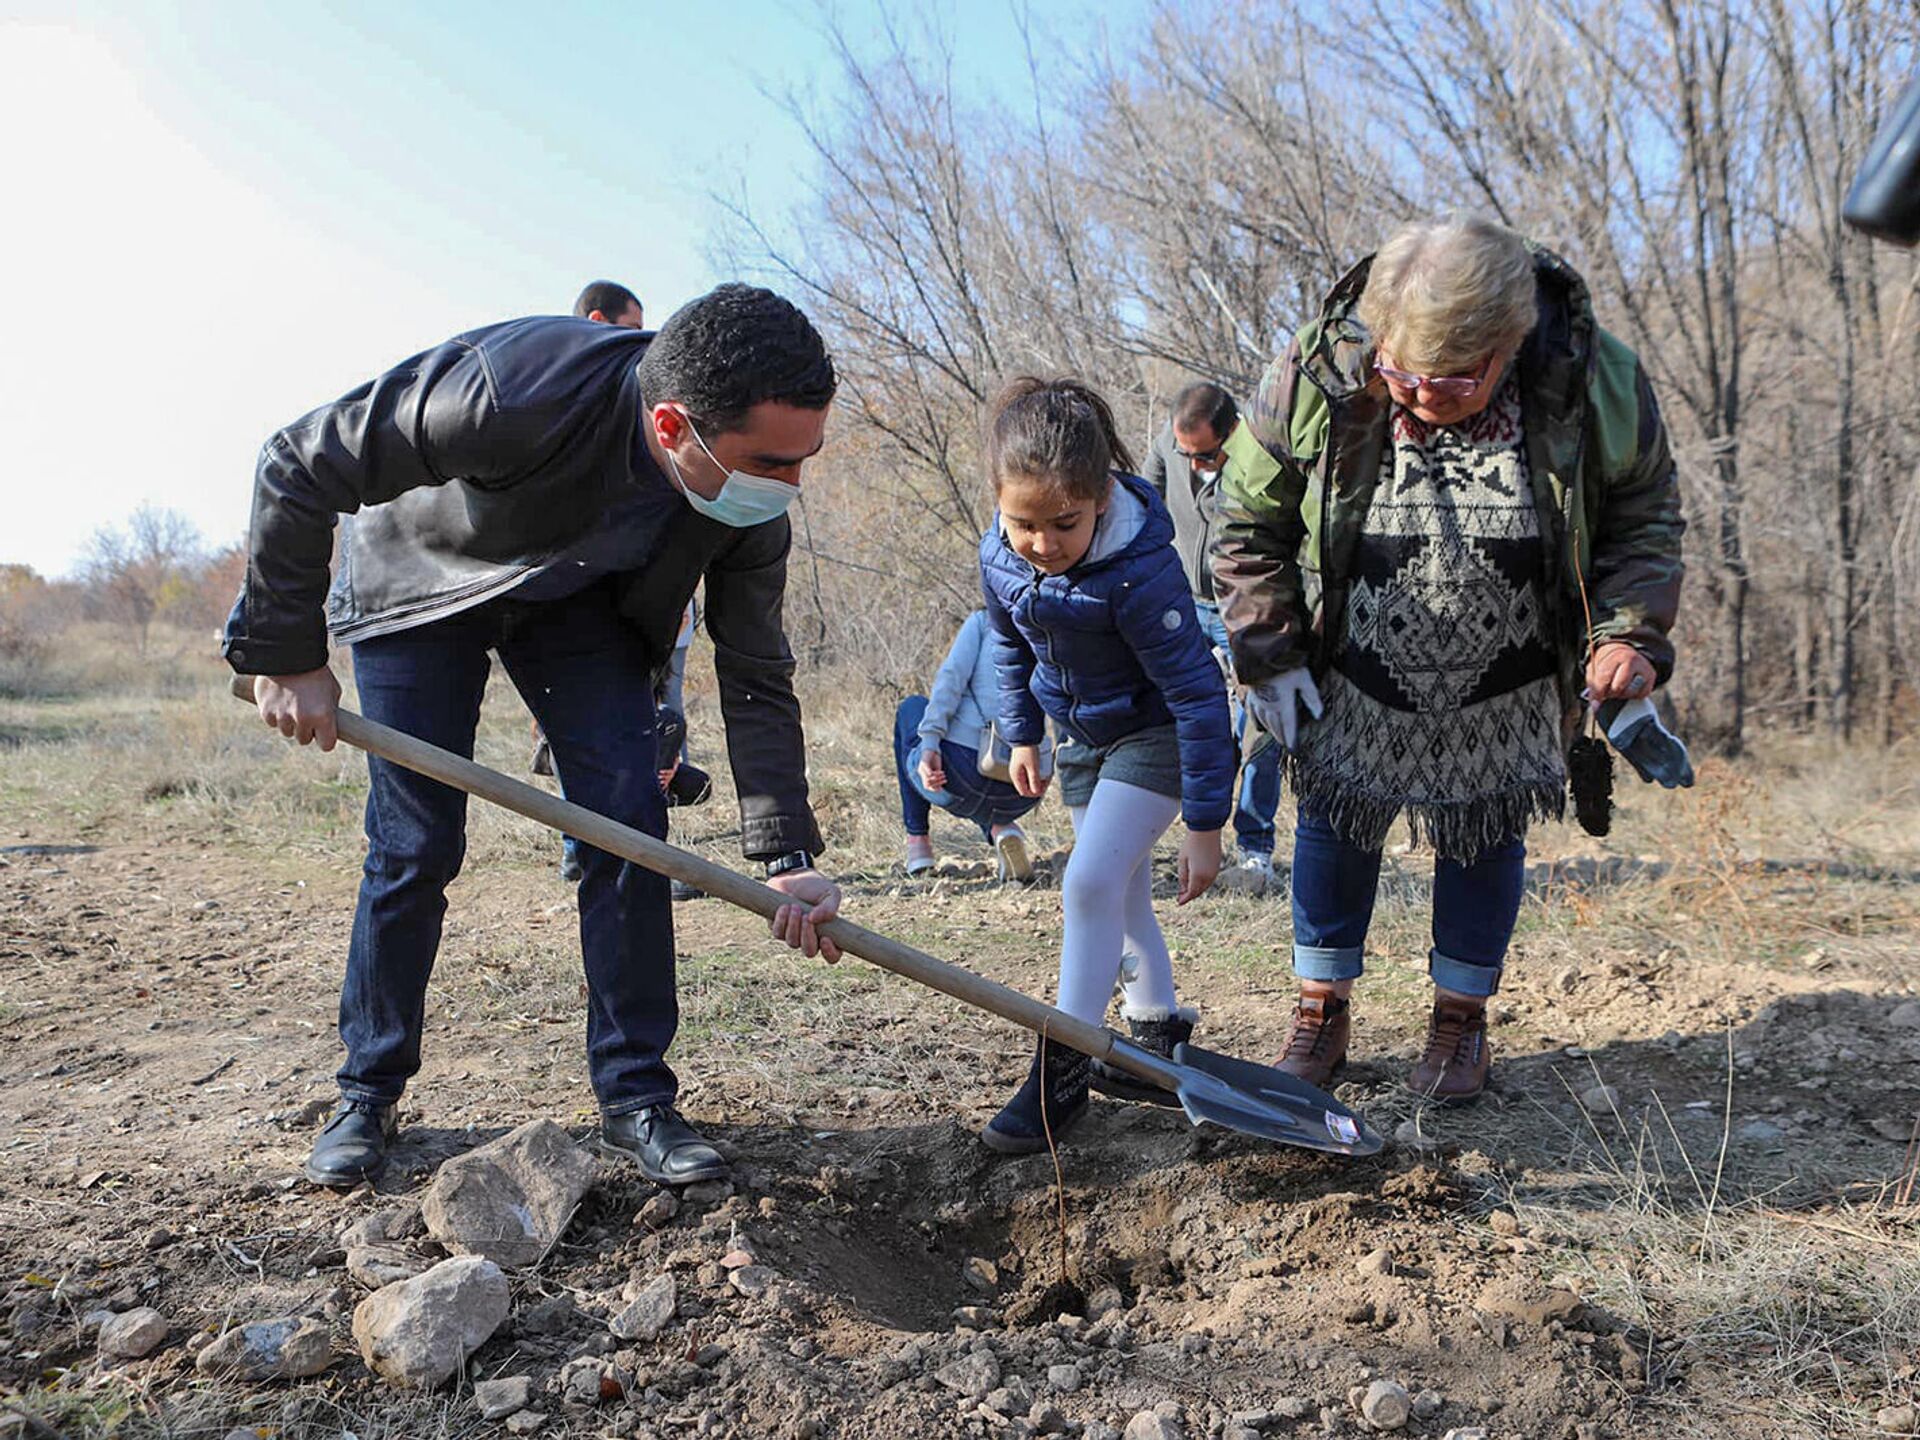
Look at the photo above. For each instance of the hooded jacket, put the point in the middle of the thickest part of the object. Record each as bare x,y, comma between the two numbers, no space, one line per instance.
1111,647
1302,471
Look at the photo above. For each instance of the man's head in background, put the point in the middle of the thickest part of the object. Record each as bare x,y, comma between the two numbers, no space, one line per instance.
607,303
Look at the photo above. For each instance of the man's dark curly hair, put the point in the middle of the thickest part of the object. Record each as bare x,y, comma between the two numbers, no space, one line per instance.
733,348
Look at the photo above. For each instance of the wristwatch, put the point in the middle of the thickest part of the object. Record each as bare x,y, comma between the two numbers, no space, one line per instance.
792,860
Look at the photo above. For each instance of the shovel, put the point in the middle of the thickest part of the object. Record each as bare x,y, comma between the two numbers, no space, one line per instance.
1212,1089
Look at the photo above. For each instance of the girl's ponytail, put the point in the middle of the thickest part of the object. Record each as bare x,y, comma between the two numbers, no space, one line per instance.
1061,431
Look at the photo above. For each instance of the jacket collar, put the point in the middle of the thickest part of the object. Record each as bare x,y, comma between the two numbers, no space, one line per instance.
1337,352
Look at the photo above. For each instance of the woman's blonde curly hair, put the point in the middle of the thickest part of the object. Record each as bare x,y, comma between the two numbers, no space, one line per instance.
1444,294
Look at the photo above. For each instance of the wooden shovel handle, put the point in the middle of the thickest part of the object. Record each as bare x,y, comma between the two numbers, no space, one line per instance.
736,889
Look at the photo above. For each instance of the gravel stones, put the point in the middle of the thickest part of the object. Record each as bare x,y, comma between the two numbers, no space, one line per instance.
1600,1100
652,1310
1385,1405
972,1375
287,1348
497,1399
752,1281
658,1212
132,1335
1148,1425
510,1199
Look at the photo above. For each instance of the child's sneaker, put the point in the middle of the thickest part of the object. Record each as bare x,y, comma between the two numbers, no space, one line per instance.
1158,1032
1010,844
1058,1080
919,855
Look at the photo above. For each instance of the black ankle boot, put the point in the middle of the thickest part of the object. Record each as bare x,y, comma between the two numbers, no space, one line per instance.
352,1146
667,1149
1159,1035
1059,1079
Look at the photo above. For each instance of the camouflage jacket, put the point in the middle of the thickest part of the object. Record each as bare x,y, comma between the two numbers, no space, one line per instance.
1304,462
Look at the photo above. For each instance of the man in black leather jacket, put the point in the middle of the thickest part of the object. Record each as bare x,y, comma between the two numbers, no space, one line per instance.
553,490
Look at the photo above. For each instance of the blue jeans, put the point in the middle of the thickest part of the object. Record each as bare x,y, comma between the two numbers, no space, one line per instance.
969,794
1474,909
1259,798
582,673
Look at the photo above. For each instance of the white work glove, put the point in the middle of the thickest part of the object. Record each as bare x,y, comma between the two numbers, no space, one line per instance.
1274,704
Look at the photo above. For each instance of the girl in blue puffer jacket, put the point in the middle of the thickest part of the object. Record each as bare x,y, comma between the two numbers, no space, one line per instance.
1093,625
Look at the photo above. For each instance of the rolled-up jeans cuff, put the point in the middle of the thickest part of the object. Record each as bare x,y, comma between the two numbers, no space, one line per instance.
1463,977
1328,963
618,1108
360,1095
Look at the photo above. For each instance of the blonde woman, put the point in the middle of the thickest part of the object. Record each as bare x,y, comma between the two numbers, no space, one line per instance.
1478,475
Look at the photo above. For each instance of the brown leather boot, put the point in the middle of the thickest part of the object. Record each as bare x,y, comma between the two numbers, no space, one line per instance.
1453,1071
1316,1047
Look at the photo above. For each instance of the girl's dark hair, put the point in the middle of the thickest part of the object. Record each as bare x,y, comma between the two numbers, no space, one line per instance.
1060,431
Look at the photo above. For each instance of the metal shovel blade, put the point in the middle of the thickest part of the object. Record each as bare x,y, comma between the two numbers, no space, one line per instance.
1259,1100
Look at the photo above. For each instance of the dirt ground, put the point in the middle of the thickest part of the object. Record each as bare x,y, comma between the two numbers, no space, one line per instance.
1718,1242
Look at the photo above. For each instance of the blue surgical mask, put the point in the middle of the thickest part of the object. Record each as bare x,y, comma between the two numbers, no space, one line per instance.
744,500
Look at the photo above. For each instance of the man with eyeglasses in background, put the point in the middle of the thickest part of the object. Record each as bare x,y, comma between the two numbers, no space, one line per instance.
1185,464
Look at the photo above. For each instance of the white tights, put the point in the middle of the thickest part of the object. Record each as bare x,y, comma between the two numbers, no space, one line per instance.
1107,896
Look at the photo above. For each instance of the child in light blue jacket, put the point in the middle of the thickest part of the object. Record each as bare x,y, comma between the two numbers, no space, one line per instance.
936,757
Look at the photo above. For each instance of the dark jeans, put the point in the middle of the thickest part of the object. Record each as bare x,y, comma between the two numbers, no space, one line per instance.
969,794
1474,909
1259,798
579,668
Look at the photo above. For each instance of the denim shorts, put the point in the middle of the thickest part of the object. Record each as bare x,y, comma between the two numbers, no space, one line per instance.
1148,758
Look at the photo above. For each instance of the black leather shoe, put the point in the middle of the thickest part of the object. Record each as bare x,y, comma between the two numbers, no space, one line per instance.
667,1149
352,1146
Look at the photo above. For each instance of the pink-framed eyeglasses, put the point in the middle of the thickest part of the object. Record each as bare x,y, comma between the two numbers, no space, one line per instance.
1453,387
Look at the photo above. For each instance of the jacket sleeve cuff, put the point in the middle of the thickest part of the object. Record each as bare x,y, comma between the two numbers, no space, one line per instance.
765,836
250,655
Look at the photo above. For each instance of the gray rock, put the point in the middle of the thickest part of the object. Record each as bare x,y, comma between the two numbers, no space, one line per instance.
1385,1406
1064,1378
1600,1099
1293,1407
1376,1262
659,1211
1897,1419
982,1275
398,1222
1466,1432
1760,1132
652,1310
287,1348
499,1398
419,1332
580,1382
972,1375
525,1422
707,1192
752,1281
1906,1015
1149,1426
1241,1432
510,1199
1103,1302
1046,1419
129,1336
1100,1430
381,1264
1427,1404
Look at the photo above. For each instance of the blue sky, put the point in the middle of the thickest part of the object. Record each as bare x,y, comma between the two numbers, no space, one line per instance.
222,214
